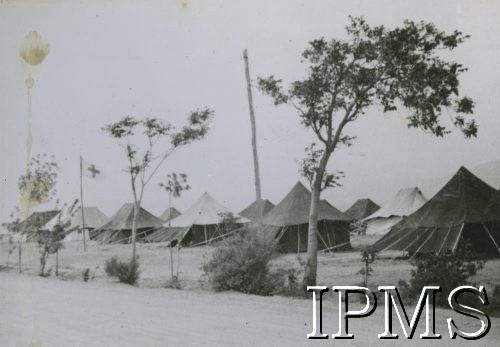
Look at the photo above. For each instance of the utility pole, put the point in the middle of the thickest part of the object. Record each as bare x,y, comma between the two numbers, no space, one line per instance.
254,143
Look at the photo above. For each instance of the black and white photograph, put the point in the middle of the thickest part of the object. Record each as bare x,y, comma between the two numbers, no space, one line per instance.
249,173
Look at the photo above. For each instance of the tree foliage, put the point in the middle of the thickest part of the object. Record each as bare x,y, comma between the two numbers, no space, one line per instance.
175,184
37,185
398,68
395,69
143,164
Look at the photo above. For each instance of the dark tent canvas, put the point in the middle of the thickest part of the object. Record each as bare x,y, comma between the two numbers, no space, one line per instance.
362,208
169,214
462,211
288,222
119,228
251,212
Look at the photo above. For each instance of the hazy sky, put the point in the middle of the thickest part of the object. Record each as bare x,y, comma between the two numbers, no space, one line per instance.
165,58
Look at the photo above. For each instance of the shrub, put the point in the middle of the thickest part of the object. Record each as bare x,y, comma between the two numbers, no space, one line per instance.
448,271
493,308
173,283
86,275
241,263
125,271
287,281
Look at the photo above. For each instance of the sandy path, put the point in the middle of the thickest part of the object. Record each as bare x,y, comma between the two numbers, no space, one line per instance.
49,312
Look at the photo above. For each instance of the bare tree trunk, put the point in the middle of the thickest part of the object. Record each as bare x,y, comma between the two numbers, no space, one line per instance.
43,259
171,263
57,263
311,267
134,219
178,260
134,230
254,143
19,252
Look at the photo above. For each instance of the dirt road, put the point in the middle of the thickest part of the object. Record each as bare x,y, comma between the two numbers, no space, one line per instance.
49,312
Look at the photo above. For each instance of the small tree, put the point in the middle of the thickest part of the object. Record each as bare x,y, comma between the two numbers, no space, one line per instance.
36,186
397,68
143,165
14,227
50,241
175,185
367,257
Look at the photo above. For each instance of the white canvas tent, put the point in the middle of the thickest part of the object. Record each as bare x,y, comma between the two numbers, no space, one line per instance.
93,218
196,226
404,203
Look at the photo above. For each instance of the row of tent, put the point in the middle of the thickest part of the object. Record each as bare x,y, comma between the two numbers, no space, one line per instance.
465,211
287,222
466,208
201,223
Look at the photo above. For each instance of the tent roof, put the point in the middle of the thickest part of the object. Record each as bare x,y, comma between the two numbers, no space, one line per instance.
251,211
362,208
294,209
205,211
122,219
38,219
493,209
94,219
170,213
463,200
404,203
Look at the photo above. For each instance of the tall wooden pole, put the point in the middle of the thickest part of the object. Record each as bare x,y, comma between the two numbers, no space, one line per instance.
254,143
81,205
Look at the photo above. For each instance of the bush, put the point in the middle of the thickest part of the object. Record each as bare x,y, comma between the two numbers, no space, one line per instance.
445,270
241,263
493,308
286,282
173,283
86,275
125,271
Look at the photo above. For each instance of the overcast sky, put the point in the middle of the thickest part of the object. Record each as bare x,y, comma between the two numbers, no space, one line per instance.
165,58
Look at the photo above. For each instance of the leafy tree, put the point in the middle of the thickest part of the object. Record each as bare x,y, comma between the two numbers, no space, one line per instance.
175,185
36,186
51,241
393,68
143,165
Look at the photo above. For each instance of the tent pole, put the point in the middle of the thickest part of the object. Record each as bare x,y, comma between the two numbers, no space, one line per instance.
423,244
205,232
458,238
298,240
81,203
491,237
444,240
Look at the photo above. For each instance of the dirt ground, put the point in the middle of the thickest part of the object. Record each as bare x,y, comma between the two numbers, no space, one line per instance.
65,311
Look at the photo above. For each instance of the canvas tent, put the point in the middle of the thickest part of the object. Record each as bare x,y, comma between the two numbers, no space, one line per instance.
251,212
361,209
35,222
404,203
92,216
464,209
119,228
198,225
288,223
169,214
